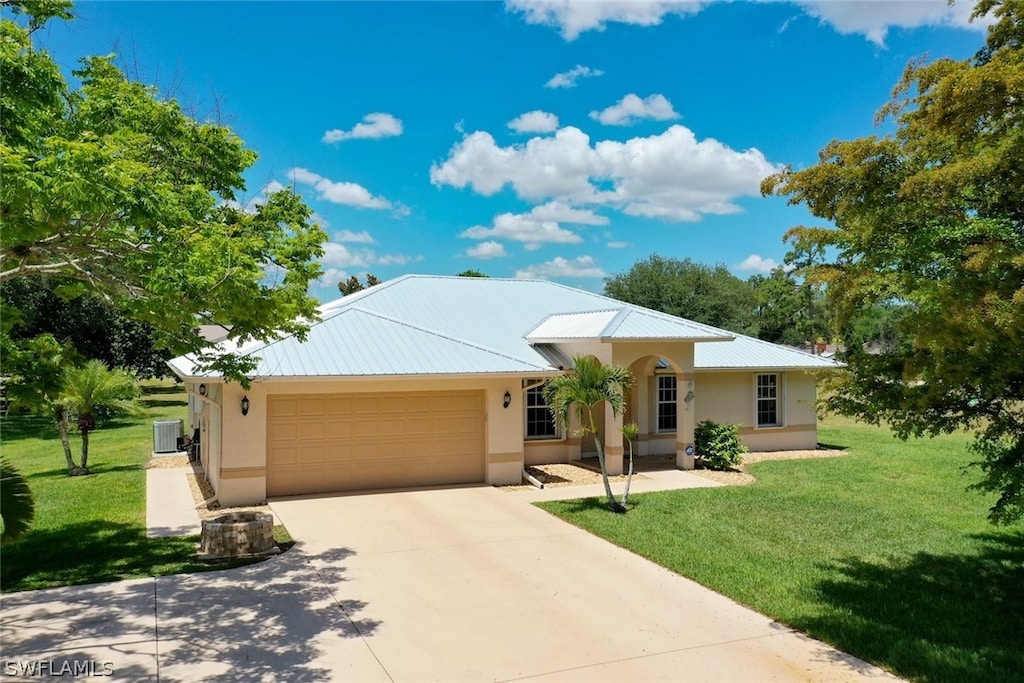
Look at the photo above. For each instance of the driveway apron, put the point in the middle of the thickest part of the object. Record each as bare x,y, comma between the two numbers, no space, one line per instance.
476,584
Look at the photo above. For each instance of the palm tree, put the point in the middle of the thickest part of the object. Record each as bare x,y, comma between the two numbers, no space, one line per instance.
17,508
95,391
630,431
588,386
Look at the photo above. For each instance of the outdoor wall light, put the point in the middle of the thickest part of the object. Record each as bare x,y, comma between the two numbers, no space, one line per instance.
508,400
202,390
245,405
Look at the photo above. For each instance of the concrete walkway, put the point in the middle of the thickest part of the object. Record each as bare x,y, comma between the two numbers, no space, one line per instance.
170,510
655,480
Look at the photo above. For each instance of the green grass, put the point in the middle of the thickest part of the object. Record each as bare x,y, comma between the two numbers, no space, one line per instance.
93,528
882,553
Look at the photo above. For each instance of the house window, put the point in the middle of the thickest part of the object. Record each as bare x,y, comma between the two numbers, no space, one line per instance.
667,408
767,401
539,422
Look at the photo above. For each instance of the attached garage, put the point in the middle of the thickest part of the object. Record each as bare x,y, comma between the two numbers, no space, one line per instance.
319,443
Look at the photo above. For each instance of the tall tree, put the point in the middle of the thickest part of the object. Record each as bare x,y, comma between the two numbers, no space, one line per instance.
705,294
108,184
353,285
778,307
932,216
472,272
96,329
589,385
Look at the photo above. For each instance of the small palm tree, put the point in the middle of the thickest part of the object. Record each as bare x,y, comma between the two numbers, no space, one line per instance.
95,391
588,386
17,507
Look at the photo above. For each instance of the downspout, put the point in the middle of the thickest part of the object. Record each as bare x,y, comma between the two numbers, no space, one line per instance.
532,479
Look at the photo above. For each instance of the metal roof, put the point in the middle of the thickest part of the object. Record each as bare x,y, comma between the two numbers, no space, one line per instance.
749,353
430,325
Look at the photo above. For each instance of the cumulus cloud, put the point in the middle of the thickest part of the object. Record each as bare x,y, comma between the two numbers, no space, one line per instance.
573,18
871,19
373,127
362,237
564,213
535,121
559,267
632,109
349,194
487,250
339,259
567,79
755,263
522,228
671,176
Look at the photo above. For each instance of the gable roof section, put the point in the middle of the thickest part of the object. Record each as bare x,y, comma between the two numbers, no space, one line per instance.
622,324
435,325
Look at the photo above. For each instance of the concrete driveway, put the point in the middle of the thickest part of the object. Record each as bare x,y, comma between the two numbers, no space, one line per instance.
469,584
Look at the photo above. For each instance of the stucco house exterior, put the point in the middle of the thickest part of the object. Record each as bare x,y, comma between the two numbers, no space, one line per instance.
427,380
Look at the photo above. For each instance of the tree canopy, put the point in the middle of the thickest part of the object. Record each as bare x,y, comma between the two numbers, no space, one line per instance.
110,185
682,287
932,217
353,285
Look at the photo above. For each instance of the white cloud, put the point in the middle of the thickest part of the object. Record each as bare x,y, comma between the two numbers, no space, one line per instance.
564,213
631,109
521,228
872,19
567,79
487,250
671,176
535,121
338,259
755,263
349,194
559,267
373,127
573,18
348,236
272,187
617,245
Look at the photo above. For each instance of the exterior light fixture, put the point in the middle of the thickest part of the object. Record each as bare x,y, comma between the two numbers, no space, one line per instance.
245,405
508,400
202,390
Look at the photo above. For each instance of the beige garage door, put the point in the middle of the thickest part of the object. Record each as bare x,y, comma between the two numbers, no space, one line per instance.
348,442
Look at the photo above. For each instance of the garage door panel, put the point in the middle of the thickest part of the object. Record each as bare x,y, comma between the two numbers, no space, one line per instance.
365,441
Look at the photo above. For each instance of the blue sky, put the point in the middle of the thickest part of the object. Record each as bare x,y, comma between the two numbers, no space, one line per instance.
529,138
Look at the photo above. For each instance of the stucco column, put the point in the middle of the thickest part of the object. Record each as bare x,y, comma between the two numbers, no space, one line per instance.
685,411
612,438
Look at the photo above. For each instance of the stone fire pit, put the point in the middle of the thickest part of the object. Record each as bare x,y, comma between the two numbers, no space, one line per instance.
237,534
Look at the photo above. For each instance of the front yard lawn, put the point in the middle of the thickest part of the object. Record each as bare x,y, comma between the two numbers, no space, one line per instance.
882,553
93,528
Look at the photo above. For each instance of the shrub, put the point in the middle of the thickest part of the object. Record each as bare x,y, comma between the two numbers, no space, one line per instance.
719,445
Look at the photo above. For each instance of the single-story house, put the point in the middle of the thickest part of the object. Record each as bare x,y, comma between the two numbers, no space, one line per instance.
428,380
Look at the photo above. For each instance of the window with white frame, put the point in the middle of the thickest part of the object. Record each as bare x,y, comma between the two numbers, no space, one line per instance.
540,423
667,408
767,406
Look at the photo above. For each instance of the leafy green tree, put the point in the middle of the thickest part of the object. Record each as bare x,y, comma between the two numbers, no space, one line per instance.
778,307
353,285
705,294
932,216
17,507
472,273
34,306
108,184
588,386
92,393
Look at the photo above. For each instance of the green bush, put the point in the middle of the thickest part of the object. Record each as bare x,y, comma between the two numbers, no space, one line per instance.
719,445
